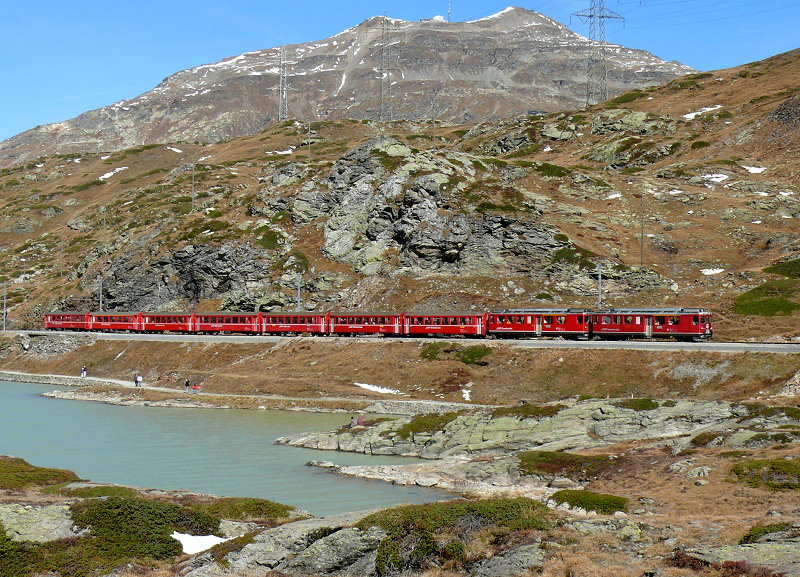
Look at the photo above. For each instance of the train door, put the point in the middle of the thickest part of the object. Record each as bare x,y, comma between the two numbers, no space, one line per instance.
648,324
538,320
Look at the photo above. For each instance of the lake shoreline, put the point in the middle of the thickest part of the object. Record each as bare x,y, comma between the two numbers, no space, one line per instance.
119,392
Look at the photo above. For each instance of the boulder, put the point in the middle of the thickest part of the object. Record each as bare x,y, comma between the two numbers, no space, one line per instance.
38,523
511,563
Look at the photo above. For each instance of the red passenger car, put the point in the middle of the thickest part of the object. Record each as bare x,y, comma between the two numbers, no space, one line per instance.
361,324
227,323
114,321
294,323
683,324
66,321
437,324
167,322
556,322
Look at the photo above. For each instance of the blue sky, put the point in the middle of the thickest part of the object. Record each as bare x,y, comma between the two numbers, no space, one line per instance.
63,58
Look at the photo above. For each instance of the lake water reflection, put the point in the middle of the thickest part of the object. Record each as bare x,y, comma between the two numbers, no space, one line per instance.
222,452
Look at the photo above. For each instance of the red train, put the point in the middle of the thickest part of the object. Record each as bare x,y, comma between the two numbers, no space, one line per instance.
689,324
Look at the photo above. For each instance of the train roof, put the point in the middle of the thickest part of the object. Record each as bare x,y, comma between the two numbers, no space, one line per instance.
657,310
550,311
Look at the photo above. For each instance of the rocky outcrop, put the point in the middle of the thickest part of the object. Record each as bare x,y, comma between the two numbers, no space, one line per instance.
779,555
511,563
38,523
330,546
581,426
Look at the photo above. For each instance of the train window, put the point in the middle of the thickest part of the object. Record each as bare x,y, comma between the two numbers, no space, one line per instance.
548,320
628,320
638,320
561,320
579,319
674,320
606,320
695,319
659,320
617,319
703,320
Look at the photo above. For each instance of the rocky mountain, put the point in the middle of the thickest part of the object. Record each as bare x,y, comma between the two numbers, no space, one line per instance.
382,69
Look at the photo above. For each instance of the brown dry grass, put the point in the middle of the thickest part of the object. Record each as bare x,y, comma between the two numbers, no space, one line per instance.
717,513
316,369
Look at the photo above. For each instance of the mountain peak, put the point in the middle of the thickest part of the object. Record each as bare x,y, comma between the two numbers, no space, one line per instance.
511,62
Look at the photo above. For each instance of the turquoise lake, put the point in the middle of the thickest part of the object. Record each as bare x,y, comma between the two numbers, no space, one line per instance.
222,452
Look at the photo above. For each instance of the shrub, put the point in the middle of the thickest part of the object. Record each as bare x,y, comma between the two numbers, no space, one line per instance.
589,501
774,474
473,355
543,296
637,404
756,532
703,439
789,268
563,464
412,529
574,255
85,185
94,492
139,528
625,98
16,559
243,509
551,170
431,351
427,424
769,299
18,474
527,411
270,239
221,550
699,144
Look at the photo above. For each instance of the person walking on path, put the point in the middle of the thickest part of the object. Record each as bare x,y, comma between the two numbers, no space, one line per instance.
83,372
138,380
186,385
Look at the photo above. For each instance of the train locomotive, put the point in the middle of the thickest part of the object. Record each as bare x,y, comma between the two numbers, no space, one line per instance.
684,324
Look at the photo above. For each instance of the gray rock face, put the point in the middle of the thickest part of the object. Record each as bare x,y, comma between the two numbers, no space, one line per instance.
781,556
511,563
337,553
38,523
584,425
371,213
307,547
514,62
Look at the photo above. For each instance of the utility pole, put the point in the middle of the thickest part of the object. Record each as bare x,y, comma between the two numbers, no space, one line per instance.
448,10
5,295
599,286
299,279
308,140
641,233
192,205
283,105
100,291
597,73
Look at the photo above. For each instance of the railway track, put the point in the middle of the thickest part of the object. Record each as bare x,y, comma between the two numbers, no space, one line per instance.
546,343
